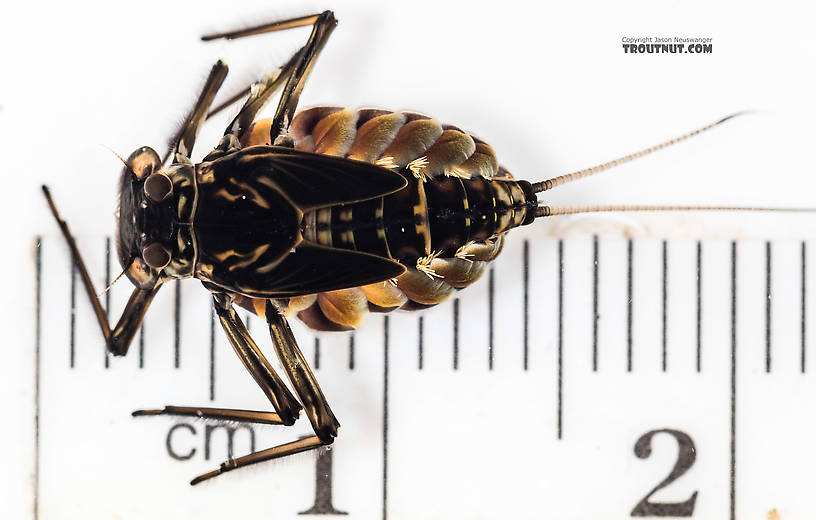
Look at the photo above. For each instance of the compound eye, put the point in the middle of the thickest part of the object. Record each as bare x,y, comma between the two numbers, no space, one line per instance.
156,256
143,162
158,187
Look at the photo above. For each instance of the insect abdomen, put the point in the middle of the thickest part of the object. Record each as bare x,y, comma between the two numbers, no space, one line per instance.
445,226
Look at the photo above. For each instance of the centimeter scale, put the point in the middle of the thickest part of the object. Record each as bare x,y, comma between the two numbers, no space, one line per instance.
583,377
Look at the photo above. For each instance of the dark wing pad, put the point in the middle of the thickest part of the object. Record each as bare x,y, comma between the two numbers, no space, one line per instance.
311,268
309,180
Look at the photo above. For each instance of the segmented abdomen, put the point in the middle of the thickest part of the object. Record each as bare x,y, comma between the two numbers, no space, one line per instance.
445,226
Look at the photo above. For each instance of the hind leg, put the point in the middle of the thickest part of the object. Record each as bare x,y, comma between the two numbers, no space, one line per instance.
292,76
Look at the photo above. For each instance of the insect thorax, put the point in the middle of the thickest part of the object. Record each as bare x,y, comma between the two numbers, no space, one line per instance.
185,192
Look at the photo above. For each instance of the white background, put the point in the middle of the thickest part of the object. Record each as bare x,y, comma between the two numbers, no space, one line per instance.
547,84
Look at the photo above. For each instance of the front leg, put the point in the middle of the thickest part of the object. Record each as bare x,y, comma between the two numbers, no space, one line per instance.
122,335
117,341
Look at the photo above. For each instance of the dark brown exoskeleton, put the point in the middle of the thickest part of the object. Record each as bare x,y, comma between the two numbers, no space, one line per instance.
326,215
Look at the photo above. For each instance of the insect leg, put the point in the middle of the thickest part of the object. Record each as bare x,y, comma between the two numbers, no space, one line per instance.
253,359
259,95
295,71
315,405
300,375
185,138
285,404
290,448
323,27
119,339
131,320
222,414
282,25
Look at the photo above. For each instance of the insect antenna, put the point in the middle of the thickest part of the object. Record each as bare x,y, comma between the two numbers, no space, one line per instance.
580,174
110,285
111,150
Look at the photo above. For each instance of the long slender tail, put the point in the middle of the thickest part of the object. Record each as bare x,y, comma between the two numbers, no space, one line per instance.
550,211
549,184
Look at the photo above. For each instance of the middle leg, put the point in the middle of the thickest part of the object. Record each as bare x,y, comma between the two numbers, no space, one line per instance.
287,408
323,422
300,375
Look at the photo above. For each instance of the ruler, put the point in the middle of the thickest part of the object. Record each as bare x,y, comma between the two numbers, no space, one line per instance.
586,376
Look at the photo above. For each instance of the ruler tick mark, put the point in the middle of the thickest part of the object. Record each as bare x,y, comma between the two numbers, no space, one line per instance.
525,270
665,301
177,325
733,447
560,338
72,339
212,352
629,305
490,286
768,307
141,345
421,334
456,334
385,419
37,354
803,313
699,305
107,293
351,352
595,303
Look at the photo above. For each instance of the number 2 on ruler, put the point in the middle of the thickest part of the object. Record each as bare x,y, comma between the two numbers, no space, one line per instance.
686,455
